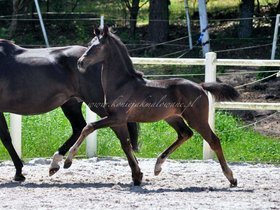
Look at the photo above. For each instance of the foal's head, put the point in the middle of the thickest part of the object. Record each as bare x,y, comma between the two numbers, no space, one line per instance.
106,46
96,50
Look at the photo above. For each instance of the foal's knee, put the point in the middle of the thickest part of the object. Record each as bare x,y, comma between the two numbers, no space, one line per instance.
88,129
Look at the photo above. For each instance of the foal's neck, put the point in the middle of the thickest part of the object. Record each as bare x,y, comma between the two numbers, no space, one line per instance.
117,70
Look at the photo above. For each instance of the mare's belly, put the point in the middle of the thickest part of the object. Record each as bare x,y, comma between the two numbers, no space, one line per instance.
28,103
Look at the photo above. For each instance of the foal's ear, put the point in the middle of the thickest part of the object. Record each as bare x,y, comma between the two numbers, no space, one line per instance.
96,31
106,31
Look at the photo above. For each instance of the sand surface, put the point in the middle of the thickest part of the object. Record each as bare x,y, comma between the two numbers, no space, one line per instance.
105,183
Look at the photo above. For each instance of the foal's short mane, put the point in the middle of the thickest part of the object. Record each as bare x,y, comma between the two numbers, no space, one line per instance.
124,52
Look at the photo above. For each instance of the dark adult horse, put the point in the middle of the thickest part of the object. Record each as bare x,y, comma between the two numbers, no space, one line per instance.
35,81
131,98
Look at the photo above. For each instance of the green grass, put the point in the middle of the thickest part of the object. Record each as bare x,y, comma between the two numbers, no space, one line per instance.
245,144
43,134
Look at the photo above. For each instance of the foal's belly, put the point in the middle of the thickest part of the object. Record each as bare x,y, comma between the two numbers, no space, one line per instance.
151,114
153,104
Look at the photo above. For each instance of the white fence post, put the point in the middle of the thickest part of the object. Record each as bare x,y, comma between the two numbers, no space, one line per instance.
102,21
210,76
275,37
15,130
91,140
188,24
203,19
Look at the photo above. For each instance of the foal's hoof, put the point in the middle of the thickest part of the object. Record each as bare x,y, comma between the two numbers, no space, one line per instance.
233,183
67,163
19,178
52,171
157,169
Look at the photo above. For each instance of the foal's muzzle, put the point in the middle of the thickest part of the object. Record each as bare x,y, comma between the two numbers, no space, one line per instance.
80,65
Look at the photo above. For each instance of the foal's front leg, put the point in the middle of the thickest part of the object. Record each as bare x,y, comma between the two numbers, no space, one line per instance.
120,128
103,123
72,110
123,135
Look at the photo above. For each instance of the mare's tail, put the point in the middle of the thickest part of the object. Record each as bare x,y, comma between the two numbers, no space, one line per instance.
221,91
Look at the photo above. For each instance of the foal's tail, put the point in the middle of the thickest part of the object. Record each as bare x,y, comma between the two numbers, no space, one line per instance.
221,91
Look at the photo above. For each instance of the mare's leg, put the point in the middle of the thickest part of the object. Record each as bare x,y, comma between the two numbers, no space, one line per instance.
109,121
72,110
123,134
198,120
184,133
7,142
133,129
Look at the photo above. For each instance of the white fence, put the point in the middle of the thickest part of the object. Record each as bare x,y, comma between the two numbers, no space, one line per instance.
210,63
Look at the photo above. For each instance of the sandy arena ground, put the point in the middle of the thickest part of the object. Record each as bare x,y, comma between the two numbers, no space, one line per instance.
105,183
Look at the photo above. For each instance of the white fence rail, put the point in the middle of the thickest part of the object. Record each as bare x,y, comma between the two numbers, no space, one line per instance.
247,106
210,63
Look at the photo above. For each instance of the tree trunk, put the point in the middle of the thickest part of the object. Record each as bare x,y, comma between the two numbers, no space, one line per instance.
13,25
158,20
246,22
133,16
17,6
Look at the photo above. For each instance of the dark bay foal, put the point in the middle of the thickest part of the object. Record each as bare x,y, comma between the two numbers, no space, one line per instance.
131,98
35,81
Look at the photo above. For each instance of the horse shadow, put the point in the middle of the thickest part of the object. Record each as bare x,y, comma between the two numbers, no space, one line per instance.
124,187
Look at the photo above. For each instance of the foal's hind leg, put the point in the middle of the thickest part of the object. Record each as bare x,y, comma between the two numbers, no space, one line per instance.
215,145
184,133
205,131
7,141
